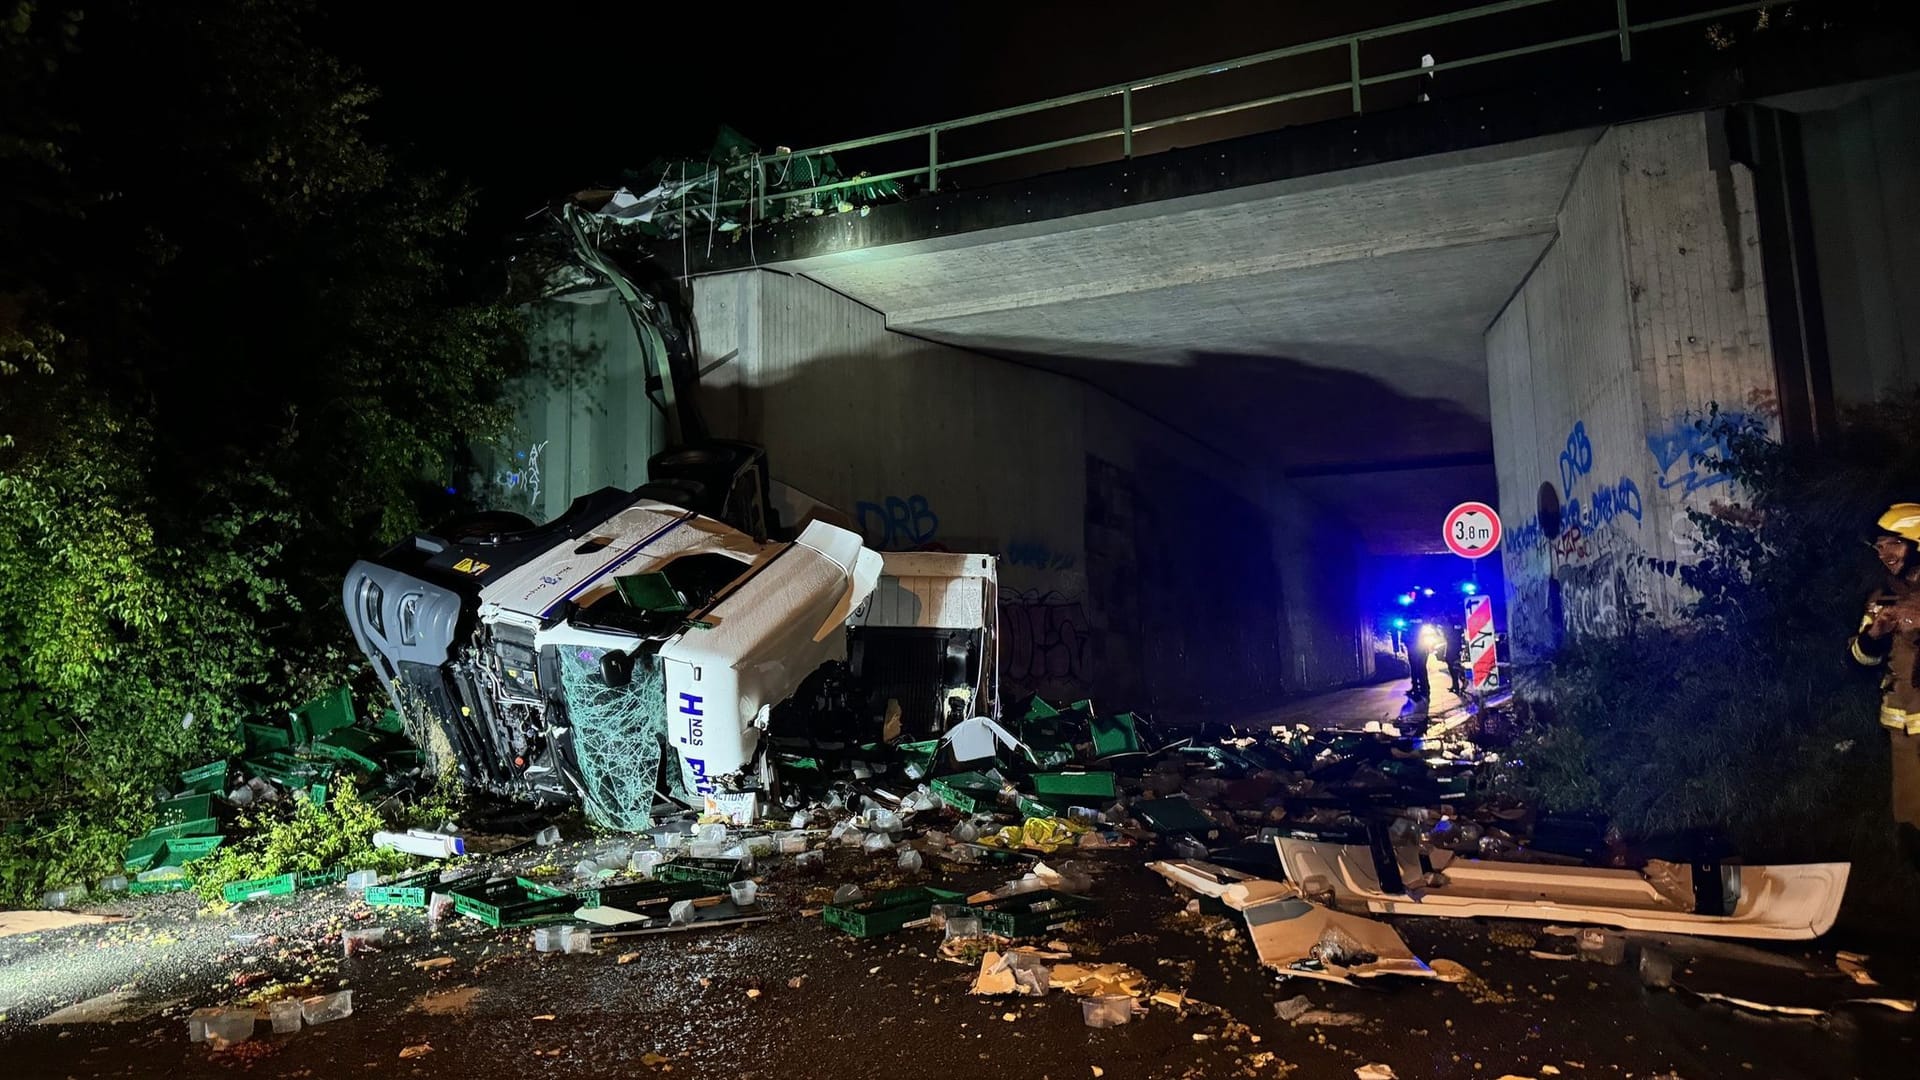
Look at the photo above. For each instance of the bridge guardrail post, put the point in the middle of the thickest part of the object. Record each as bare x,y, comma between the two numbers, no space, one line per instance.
1353,71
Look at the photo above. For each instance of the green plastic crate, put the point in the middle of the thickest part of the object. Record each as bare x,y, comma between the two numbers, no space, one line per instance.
967,791
1031,914
889,911
1032,807
917,758
390,723
1044,756
1173,815
264,738
356,748
1038,709
713,873
1094,784
515,902
184,808
197,827
287,769
182,849
410,891
258,888
328,712
149,888
1115,734
320,879
141,853
208,779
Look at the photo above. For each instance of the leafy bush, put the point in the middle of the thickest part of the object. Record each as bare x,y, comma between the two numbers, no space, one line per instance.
240,346
121,659
299,836
1748,717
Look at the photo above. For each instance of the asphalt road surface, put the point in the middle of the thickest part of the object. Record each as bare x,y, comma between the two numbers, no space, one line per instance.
828,1005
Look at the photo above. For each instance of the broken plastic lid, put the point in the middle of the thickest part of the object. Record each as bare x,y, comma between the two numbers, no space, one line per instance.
974,738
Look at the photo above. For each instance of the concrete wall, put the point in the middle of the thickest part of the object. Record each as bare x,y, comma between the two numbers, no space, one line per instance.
1647,309
584,421
1137,564
1863,187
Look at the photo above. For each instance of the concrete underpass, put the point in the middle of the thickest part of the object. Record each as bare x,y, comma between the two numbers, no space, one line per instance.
1197,401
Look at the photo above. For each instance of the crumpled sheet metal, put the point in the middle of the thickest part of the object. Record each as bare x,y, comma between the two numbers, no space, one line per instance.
1295,937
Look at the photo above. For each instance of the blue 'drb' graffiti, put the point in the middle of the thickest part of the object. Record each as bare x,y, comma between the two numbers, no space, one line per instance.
1607,502
1687,441
897,524
1576,460
1583,514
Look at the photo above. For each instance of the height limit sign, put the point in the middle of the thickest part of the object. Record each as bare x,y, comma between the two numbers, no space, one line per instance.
1472,530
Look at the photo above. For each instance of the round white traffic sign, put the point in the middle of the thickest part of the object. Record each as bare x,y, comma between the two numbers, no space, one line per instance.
1472,530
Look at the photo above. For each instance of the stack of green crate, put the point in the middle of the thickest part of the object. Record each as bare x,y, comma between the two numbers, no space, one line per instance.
186,828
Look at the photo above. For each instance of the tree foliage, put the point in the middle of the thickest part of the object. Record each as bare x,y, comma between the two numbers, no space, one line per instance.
1747,717
240,345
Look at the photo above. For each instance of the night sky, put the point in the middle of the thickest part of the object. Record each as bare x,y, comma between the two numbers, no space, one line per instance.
534,103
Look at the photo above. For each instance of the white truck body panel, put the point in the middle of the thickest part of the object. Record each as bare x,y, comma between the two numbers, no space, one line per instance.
641,538
765,634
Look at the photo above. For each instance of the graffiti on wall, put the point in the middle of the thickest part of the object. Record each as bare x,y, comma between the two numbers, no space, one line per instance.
1615,590
1576,460
1603,504
897,523
519,479
1591,577
1046,640
1684,449
1527,535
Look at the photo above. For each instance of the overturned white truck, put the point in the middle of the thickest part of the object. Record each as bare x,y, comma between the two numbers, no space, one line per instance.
561,662
657,641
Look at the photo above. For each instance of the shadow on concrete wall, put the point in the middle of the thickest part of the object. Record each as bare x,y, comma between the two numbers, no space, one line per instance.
1180,604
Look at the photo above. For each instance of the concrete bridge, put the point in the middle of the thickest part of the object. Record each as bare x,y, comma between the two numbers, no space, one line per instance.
1187,396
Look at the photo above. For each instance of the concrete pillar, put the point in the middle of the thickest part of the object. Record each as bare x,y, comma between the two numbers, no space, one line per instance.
1647,310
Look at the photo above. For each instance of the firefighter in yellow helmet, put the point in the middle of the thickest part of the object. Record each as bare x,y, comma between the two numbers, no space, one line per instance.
1889,635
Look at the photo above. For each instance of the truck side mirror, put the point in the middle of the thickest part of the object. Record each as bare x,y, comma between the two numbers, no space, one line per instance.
616,668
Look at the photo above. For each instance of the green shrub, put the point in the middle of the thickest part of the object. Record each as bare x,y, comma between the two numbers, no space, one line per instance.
1747,717
299,836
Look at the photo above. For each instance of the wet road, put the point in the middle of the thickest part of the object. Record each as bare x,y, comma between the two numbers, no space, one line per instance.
1354,708
830,1005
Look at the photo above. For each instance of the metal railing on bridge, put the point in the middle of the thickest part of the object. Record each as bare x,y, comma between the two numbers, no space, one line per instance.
763,201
